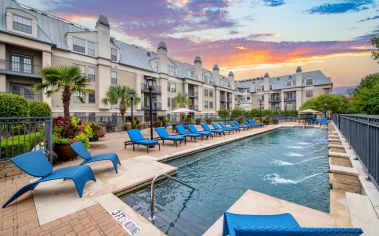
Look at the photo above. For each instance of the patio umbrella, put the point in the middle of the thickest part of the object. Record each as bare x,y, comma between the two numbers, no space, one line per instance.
182,110
309,111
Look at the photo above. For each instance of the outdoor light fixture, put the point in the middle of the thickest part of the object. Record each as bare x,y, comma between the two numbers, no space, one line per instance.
131,96
149,82
325,109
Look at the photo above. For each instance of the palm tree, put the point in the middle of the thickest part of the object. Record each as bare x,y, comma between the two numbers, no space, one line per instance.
181,100
66,78
120,94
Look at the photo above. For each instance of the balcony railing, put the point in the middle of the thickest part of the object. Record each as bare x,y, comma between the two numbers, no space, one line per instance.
222,98
274,99
194,107
156,89
156,106
193,94
287,99
29,96
18,68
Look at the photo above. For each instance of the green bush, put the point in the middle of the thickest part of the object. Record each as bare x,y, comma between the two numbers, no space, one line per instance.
223,112
12,105
19,144
39,109
255,112
237,112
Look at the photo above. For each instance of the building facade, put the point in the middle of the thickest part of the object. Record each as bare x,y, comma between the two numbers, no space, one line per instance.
287,92
31,39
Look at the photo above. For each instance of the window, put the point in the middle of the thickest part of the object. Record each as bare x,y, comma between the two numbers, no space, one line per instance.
206,104
91,73
171,70
113,54
169,102
114,77
91,48
206,92
248,98
206,79
172,88
21,63
210,105
309,93
155,66
309,82
210,81
78,45
22,24
91,97
78,97
210,93
192,74
289,83
270,87
24,90
82,70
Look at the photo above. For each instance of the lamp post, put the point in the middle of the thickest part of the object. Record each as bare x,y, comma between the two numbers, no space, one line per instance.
131,96
325,109
260,107
149,82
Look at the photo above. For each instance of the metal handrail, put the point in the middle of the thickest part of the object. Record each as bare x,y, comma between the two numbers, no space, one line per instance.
152,188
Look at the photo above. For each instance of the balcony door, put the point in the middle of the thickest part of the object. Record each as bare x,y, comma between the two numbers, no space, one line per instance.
23,90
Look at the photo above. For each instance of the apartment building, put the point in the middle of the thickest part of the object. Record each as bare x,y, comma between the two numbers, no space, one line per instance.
31,39
285,92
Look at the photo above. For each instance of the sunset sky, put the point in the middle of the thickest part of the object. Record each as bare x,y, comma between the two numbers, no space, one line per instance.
247,37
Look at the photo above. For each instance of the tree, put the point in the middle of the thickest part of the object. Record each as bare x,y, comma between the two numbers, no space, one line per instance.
223,112
334,103
66,78
181,100
237,112
375,43
120,95
365,97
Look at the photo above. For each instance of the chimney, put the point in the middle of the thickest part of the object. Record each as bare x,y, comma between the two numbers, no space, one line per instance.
198,68
103,37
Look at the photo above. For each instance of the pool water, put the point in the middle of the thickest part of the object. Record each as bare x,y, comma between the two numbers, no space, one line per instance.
288,163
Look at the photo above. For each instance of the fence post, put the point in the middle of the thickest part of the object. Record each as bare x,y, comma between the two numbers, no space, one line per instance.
368,147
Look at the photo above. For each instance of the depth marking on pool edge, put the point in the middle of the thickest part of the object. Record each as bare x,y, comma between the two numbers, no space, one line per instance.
126,222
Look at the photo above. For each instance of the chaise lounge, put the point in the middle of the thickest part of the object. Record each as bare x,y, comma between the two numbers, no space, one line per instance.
35,164
182,131
79,149
137,138
194,130
235,123
216,131
257,123
215,125
276,225
164,135
224,126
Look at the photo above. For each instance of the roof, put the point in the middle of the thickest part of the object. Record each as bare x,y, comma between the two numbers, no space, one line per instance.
135,56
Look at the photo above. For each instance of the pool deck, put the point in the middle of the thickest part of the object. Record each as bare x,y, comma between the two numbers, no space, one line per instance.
54,208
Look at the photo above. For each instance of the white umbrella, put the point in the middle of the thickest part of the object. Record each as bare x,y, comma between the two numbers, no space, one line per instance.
182,110
309,111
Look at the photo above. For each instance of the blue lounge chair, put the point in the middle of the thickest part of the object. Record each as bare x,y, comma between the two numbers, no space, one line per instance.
323,121
35,164
137,138
224,126
216,131
194,130
257,123
247,123
164,135
182,131
276,225
216,126
79,149
236,124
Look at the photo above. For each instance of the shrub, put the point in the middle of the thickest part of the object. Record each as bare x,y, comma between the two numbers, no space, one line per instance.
267,112
223,112
39,109
12,105
237,112
17,145
255,112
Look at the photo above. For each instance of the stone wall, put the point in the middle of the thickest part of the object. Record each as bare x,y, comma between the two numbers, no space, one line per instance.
8,169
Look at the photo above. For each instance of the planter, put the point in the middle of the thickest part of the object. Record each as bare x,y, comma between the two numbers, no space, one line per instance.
93,138
128,125
64,152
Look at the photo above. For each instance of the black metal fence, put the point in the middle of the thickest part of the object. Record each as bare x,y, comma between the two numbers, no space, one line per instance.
22,134
362,132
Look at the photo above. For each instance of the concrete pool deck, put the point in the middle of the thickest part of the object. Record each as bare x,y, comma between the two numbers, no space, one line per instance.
55,201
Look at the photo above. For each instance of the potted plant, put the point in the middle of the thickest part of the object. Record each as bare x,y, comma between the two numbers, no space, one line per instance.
97,132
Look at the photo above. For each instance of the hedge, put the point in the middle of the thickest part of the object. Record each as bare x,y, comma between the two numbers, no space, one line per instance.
19,145
39,109
12,105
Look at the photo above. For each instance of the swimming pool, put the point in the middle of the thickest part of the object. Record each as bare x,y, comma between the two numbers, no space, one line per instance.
288,163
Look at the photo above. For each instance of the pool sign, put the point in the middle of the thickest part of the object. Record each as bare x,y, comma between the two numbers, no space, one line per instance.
126,222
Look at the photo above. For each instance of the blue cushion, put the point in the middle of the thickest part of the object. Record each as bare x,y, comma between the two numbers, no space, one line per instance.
135,134
146,142
162,132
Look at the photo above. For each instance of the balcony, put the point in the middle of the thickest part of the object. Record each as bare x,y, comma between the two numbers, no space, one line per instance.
155,90
222,98
194,107
156,106
19,69
274,99
193,94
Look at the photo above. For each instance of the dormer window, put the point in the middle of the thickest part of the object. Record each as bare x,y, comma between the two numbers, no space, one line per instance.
91,48
309,82
206,79
171,70
113,54
22,24
78,45
289,83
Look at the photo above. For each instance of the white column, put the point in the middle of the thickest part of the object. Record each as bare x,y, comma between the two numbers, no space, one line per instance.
266,100
282,100
233,100
298,99
46,61
164,93
200,93
217,100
